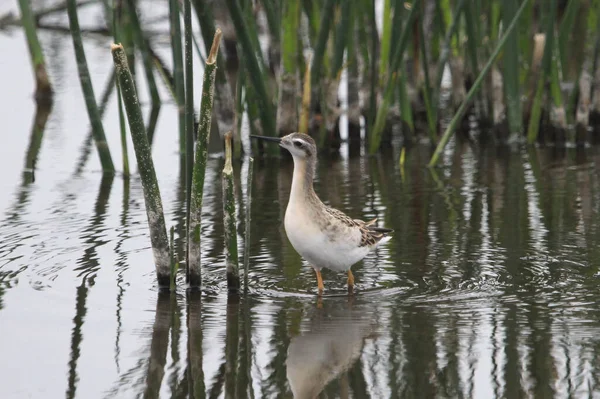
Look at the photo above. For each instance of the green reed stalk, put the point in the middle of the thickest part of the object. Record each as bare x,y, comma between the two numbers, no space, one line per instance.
230,221
43,89
471,28
141,43
512,89
178,70
463,107
274,16
248,221
256,75
397,57
565,30
427,92
195,218
287,110
321,43
396,31
189,104
447,48
370,51
546,71
343,34
154,209
386,39
405,109
88,91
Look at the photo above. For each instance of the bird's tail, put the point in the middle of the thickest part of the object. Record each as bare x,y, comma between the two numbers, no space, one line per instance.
381,229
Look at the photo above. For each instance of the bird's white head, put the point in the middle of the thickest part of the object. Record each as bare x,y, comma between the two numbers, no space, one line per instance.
300,145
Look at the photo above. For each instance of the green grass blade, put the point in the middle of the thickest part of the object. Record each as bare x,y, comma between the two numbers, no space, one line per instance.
459,114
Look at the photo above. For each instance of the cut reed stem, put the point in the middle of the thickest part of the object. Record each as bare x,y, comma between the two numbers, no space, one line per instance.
154,208
230,221
194,275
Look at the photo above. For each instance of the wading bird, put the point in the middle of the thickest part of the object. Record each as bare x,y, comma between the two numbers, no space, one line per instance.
325,237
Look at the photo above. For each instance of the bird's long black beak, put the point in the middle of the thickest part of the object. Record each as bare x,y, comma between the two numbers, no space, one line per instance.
267,138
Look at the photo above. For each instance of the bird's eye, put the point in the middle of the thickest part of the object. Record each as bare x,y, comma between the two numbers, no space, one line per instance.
297,144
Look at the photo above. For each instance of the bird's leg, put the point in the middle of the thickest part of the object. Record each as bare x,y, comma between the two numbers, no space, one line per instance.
350,282
319,282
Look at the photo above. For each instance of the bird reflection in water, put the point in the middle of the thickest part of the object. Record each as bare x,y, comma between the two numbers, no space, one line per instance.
333,339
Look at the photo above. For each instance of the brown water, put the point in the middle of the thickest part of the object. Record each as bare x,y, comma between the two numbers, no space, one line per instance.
488,288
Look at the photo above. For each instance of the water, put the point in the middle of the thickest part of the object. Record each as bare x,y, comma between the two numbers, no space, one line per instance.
488,288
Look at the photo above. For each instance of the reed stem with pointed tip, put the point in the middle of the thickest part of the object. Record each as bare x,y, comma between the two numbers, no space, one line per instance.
152,199
476,85
194,275
88,91
230,221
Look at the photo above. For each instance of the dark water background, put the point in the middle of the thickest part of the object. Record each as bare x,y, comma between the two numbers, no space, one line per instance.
488,288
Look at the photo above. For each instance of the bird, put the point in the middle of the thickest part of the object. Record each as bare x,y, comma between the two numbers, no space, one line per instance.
332,342
323,236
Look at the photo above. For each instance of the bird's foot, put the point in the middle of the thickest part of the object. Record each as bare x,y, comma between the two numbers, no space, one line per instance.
350,283
320,286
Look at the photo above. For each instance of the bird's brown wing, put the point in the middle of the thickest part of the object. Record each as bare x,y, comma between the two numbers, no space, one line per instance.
369,234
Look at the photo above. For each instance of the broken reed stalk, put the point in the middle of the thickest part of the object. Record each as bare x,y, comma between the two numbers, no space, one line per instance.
229,221
195,217
154,209
178,71
248,221
471,94
88,91
224,107
43,88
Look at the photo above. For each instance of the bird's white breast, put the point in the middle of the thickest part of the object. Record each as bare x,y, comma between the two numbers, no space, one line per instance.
322,250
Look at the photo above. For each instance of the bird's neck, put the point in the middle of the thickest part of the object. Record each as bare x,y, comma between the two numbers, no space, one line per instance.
302,181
